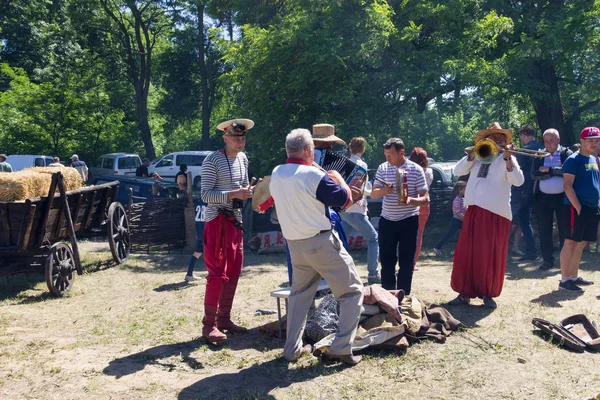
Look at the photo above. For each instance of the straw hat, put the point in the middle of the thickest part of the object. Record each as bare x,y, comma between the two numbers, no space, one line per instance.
326,133
261,192
492,129
247,123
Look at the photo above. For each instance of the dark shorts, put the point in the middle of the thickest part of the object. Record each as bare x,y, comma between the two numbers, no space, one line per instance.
582,227
199,235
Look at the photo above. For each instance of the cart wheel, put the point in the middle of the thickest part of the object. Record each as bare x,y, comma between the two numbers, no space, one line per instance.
59,269
118,232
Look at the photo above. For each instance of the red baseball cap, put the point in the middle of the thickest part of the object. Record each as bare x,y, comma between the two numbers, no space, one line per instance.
591,132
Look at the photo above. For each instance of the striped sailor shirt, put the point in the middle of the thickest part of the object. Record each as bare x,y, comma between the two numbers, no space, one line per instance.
221,174
416,183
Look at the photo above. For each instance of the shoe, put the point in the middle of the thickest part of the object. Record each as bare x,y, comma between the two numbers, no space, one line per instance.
546,267
345,358
460,299
488,302
528,258
191,278
374,279
437,252
569,285
583,282
517,252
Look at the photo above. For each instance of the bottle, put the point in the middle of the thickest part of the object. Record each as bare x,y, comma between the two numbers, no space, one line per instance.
404,187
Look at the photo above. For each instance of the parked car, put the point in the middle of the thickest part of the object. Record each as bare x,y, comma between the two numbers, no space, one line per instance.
22,161
168,166
142,188
112,164
441,192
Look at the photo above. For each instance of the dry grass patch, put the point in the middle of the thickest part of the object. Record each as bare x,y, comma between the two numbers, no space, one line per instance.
132,332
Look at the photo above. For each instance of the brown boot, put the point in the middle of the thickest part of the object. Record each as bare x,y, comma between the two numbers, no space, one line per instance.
210,331
226,296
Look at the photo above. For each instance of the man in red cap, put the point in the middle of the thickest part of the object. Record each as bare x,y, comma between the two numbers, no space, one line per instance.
224,188
582,198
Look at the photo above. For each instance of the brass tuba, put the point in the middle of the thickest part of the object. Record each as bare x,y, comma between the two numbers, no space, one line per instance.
486,151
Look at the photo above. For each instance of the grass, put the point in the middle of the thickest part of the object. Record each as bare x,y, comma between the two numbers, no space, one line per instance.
132,332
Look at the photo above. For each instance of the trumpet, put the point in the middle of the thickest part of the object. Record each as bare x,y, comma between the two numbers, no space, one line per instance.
486,151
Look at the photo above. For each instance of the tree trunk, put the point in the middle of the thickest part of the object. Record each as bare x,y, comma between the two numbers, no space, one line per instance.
143,125
203,78
548,106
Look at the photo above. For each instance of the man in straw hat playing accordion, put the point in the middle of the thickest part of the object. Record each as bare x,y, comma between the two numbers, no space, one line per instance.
302,193
225,186
482,248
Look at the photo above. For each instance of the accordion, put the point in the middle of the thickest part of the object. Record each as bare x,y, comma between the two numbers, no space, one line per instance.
352,173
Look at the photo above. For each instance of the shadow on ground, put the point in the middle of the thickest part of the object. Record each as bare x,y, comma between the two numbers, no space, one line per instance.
554,298
256,381
469,314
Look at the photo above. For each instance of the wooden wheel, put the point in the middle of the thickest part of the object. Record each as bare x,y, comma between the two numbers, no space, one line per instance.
118,232
60,266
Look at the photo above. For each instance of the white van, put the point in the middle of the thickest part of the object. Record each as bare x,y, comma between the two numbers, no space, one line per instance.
22,161
114,164
168,166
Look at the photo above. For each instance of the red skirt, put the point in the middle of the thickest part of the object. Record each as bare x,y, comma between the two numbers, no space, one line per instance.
480,256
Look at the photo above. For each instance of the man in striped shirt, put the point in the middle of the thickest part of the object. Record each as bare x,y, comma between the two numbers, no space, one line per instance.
399,223
225,186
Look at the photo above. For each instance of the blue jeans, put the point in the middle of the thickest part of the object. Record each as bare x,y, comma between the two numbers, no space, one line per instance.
362,225
522,207
455,226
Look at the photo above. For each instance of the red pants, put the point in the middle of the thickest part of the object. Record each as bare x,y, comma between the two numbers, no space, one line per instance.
223,256
480,257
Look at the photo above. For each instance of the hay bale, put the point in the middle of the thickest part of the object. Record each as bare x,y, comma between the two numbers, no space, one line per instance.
34,182
71,177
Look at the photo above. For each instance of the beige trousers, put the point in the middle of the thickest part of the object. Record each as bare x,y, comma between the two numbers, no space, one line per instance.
322,256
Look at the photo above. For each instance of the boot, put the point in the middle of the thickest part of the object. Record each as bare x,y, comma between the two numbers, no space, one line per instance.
225,301
210,331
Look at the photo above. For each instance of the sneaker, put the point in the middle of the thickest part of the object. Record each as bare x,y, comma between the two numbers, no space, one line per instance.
546,267
583,282
437,252
460,299
374,279
528,258
191,278
569,285
488,302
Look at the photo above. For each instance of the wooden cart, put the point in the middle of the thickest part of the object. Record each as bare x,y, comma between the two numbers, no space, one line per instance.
32,232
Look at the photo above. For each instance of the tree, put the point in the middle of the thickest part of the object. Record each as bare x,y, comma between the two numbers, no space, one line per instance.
136,27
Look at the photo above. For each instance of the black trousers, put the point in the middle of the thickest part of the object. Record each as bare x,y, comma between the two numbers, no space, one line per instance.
398,244
546,205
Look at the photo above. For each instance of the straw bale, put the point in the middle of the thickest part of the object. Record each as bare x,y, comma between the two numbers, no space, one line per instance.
71,177
34,182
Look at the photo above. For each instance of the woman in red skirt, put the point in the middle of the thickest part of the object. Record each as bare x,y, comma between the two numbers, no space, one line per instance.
480,257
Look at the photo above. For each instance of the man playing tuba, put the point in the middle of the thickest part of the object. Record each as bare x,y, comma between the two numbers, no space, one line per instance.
482,248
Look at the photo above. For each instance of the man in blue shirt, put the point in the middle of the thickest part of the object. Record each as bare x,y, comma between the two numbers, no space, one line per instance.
582,198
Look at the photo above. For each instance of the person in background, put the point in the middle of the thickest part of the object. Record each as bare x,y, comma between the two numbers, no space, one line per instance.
549,195
355,217
302,194
4,166
582,198
199,217
522,196
480,257
225,186
56,163
419,156
181,177
458,216
80,167
399,221
142,170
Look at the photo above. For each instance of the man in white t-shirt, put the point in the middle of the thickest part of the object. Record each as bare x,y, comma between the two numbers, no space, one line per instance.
355,217
549,194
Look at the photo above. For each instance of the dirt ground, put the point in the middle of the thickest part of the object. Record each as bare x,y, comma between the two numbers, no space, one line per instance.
132,332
